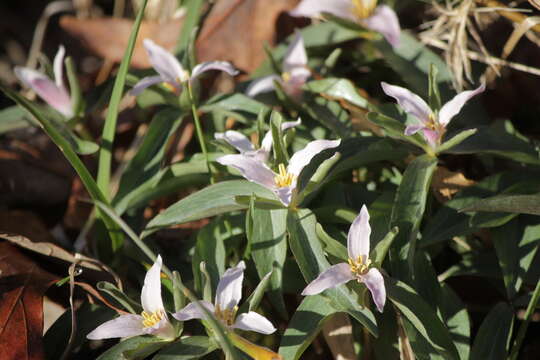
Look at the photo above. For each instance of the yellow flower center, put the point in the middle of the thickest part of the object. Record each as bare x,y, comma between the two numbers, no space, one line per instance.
360,266
152,319
432,122
286,76
284,178
226,315
364,8
169,86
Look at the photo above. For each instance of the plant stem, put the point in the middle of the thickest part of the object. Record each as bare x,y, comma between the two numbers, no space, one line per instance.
524,325
198,129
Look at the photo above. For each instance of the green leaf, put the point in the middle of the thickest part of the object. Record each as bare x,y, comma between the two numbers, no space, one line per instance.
305,324
434,95
456,317
332,246
310,257
14,118
455,140
379,252
213,200
147,160
126,302
193,347
236,103
492,340
517,204
339,89
269,248
191,21
410,204
396,129
109,128
422,317
135,348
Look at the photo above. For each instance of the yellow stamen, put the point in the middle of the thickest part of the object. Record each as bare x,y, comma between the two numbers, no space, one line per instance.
364,8
360,266
169,86
226,315
432,122
284,178
152,319
286,76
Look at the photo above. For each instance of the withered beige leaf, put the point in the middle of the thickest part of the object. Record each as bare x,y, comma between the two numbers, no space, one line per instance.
446,183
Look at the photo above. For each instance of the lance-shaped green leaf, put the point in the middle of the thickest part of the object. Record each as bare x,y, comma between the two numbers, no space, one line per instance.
518,204
422,317
341,89
305,324
307,249
396,129
193,347
269,248
493,338
129,304
146,162
455,140
456,317
210,201
138,347
410,203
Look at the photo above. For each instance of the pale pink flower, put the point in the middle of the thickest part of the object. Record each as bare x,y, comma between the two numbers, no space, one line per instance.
153,320
53,92
365,12
357,268
228,295
432,125
171,72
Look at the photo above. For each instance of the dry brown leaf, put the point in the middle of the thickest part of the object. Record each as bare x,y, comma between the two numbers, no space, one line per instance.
446,183
107,37
337,332
236,31
22,285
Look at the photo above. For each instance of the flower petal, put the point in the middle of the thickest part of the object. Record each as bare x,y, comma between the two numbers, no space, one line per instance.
375,283
229,289
123,326
165,63
262,85
251,169
236,139
56,97
162,329
144,83
358,236
58,67
224,66
296,54
453,107
253,321
413,129
314,8
410,102
333,276
151,292
193,311
431,136
303,157
385,21
285,194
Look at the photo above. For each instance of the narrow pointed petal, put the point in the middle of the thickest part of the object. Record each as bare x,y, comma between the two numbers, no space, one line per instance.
358,237
267,141
58,67
253,321
413,129
410,102
314,8
236,139
375,283
453,107
385,21
285,194
151,292
432,137
144,83
56,97
165,63
214,65
193,311
296,54
123,326
251,169
303,157
333,276
229,289
262,85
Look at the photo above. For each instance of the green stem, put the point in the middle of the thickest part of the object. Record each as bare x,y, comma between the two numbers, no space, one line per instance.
198,129
524,325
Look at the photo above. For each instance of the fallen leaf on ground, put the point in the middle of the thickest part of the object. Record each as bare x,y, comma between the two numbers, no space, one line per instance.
446,183
22,285
337,332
